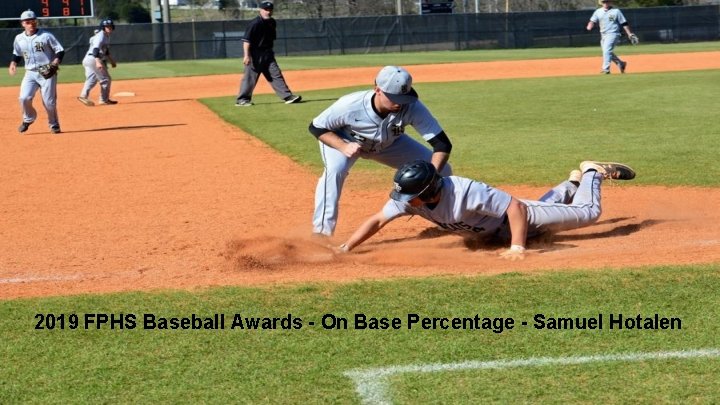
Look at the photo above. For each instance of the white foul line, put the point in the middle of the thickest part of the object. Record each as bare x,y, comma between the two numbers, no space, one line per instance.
373,386
31,279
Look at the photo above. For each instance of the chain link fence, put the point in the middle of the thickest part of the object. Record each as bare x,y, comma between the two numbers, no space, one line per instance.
356,35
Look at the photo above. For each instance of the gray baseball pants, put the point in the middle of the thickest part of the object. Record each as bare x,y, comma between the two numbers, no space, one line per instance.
31,83
268,67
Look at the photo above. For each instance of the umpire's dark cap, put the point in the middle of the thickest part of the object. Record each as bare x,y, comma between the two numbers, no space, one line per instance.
266,5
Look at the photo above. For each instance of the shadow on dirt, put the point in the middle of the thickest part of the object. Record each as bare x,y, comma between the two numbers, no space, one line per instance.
621,230
547,241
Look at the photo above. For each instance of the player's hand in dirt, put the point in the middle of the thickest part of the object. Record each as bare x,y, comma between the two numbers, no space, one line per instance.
514,253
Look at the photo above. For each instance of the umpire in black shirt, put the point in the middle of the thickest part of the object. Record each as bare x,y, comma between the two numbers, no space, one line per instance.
259,57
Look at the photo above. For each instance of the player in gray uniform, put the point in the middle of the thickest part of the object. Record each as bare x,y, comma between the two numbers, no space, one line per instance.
477,210
371,125
37,47
611,19
95,64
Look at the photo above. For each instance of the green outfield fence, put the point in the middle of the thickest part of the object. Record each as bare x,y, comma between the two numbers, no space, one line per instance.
353,35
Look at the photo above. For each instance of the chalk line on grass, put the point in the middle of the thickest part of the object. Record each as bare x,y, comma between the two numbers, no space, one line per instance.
373,387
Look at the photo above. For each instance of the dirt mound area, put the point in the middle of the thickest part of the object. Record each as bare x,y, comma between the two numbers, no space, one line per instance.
272,252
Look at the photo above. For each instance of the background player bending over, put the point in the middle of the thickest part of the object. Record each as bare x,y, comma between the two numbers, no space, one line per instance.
473,208
95,64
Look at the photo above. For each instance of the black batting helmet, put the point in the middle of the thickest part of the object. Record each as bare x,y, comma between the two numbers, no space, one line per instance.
107,23
416,179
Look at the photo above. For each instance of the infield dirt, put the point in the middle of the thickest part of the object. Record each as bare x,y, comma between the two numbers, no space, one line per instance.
158,193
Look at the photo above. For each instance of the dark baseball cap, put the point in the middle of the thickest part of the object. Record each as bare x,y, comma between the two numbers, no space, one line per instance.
266,5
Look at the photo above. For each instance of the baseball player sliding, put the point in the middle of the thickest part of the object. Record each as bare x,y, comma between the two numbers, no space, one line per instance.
371,125
40,50
477,210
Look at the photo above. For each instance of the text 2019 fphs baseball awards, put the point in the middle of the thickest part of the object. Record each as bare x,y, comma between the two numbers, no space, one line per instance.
357,321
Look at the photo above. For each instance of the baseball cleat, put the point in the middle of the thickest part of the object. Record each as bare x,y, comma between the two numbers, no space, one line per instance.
24,127
107,102
575,176
609,170
243,103
293,99
55,129
623,65
86,101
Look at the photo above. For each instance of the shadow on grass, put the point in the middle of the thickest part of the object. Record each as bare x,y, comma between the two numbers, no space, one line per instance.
125,128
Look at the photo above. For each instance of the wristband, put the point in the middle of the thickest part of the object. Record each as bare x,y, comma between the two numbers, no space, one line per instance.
517,248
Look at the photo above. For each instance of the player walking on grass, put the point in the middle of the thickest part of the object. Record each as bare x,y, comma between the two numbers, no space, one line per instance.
480,211
38,48
259,58
95,64
611,21
371,124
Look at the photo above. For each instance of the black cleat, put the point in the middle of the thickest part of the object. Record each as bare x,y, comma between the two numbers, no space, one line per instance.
293,99
24,127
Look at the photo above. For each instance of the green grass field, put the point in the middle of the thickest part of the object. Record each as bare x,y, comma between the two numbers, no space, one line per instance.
533,131
139,70
526,131
307,365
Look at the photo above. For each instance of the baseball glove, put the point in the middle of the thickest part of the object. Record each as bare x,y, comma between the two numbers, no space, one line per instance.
634,39
49,70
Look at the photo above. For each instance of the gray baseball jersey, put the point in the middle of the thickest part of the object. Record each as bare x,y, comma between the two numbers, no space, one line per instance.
610,20
471,207
466,206
352,116
383,140
37,50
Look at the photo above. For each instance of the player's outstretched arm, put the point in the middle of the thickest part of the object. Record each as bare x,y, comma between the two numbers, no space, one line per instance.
439,159
517,219
369,228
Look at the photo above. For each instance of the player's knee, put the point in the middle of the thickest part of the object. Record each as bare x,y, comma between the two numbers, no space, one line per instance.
337,176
